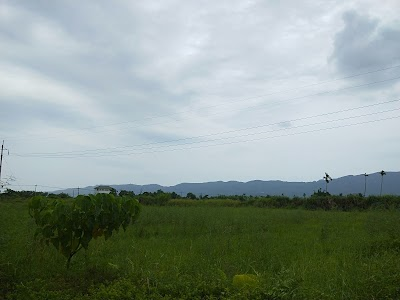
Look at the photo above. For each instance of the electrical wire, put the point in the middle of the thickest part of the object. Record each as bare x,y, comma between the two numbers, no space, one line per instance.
270,137
51,187
247,108
229,102
218,133
148,150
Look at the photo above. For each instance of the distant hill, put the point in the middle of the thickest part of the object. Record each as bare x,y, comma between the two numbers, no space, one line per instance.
343,185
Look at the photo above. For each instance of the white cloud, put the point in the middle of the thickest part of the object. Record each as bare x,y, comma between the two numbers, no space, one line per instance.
21,84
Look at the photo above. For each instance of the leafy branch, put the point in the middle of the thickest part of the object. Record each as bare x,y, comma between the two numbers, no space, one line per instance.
70,225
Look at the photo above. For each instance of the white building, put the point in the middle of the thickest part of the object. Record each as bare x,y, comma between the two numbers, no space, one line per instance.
103,189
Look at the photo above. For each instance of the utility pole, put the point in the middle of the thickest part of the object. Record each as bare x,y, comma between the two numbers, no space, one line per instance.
382,173
1,158
365,183
327,178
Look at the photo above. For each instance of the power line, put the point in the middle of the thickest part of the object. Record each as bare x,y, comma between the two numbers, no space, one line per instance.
11,176
148,150
253,97
52,187
241,100
93,151
214,134
38,185
271,137
257,105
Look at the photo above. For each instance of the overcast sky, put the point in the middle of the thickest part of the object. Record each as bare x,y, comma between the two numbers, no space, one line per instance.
115,92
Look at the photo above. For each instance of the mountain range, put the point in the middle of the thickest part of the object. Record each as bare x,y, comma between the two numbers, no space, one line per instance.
351,184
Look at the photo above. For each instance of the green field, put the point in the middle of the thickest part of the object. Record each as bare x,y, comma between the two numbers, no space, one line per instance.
176,252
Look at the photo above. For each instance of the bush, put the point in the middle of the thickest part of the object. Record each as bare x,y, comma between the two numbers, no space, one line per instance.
70,225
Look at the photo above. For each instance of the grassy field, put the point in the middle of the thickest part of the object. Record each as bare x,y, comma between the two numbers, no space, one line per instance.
195,252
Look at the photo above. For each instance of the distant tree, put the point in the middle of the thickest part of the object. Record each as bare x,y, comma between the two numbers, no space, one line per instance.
64,195
9,193
126,193
162,198
382,173
113,191
191,196
319,193
174,195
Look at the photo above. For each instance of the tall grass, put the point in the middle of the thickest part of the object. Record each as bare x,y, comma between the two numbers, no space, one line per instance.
194,253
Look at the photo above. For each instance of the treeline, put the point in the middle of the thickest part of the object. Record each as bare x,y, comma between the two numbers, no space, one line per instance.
317,201
314,202
11,194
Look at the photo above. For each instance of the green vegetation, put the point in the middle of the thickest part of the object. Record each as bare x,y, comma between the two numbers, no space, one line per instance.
318,201
71,225
240,250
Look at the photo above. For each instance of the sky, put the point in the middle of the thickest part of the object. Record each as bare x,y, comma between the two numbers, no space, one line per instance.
106,92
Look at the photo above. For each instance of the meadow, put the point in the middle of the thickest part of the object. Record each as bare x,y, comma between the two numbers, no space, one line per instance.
195,252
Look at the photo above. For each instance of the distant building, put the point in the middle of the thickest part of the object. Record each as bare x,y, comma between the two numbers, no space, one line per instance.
103,189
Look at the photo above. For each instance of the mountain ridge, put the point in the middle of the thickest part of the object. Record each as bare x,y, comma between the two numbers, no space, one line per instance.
348,184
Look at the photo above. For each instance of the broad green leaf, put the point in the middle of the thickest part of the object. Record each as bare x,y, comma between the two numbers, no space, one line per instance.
69,225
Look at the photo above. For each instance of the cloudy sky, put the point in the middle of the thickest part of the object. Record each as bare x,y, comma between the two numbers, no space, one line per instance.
113,92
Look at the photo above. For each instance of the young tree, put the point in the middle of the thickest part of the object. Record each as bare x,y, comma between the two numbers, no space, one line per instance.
70,225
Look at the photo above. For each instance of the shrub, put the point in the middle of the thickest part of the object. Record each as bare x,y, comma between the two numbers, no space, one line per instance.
70,225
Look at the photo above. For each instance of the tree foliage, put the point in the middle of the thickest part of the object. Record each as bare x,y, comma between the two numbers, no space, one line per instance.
126,193
70,225
191,196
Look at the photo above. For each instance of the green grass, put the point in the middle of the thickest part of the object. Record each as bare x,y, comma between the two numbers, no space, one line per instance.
194,253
